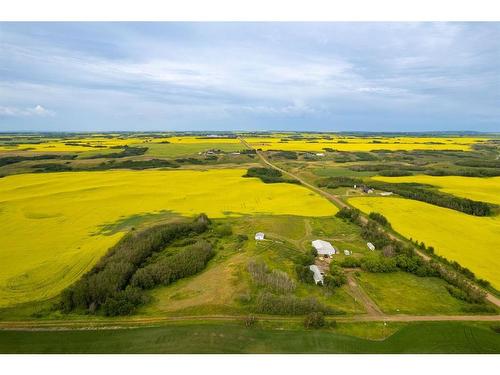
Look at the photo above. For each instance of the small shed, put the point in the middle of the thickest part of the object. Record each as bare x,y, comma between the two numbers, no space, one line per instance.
347,252
370,246
259,236
318,277
323,247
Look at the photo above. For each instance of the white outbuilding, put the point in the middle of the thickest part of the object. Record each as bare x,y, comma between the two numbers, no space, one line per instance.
323,247
370,246
259,236
318,277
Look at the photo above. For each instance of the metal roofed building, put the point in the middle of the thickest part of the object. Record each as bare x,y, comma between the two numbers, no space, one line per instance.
323,247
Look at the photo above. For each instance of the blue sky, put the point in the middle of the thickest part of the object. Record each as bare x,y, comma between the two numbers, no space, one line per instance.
249,76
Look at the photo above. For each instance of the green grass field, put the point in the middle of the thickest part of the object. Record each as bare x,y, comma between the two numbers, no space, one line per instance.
438,337
404,293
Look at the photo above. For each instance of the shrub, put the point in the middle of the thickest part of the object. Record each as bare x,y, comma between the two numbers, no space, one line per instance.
351,214
378,264
379,218
224,230
250,321
314,320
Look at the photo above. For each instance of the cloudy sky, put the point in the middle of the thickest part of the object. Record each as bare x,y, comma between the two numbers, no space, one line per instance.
249,76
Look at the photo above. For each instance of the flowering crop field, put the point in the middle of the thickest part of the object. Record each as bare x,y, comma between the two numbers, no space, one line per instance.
485,189
472,241
55,226
362,143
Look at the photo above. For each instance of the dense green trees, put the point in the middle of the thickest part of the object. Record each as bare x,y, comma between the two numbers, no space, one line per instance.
167,269
339,181
422,193
107,284
268,175
379,218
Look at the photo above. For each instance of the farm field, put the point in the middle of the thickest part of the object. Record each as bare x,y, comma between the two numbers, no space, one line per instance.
404,293
470,240
428,337
182,149
160,146
60,224
362,143
485,189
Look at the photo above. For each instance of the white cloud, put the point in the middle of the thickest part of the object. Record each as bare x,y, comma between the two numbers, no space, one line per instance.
38,110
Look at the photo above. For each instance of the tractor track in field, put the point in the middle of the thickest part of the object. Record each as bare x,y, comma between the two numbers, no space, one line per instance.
341,204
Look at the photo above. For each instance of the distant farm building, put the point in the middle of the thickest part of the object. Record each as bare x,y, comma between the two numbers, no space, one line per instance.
323,247
259,236
386,193
320,154
347,252
318,277
370,246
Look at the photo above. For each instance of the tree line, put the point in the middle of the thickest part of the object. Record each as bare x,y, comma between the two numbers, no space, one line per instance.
107,286
396,256
422,193
269,175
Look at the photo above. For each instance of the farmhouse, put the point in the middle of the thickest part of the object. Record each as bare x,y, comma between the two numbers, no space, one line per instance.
318,277
370,246
259,236
323,247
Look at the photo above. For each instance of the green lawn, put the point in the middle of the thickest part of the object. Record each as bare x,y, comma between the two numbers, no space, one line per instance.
435,337
404,293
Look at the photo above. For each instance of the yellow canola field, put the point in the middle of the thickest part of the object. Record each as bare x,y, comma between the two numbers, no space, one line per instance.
363,143
472,241
484,189
99,143
51,223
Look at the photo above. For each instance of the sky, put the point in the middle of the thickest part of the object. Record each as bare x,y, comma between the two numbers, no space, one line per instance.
250,76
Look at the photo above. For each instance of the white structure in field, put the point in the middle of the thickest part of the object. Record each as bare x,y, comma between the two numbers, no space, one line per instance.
370,246
386,193
259,236
347,252
323,247
318,277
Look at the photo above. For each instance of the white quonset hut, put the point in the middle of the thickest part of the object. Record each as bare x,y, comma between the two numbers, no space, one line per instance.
370,246
318,277
259,236
323,247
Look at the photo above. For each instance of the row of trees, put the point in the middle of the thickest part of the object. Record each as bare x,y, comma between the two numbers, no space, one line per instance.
268,175
107,284
165,270
422,193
